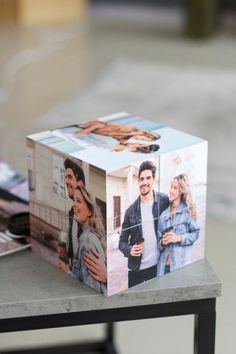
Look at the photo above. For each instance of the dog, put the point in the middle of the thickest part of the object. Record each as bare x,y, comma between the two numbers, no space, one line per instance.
122,133
136,147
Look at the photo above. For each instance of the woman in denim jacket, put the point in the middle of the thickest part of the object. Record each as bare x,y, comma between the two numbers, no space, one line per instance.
178,228
92,237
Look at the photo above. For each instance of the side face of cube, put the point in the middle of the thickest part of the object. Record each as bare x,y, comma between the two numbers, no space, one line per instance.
67,210
156,206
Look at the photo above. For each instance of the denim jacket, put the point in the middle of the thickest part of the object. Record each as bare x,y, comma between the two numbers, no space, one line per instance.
88,240
131,232
183,225
70,252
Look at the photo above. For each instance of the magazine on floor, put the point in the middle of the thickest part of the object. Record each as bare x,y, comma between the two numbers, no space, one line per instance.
9,245
13,182
14,210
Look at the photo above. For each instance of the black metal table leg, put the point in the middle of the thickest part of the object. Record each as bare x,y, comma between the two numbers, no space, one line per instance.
105,346
204,336
109,343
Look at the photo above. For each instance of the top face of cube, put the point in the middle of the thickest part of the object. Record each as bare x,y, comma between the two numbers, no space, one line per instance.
112,142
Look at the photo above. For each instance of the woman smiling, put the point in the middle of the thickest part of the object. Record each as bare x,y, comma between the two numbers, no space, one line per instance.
178,227
87,214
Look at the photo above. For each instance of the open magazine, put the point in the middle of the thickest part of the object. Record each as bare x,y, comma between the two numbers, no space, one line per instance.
13,182
14,210
9,245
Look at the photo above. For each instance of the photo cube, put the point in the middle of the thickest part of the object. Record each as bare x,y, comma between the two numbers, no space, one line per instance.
118,200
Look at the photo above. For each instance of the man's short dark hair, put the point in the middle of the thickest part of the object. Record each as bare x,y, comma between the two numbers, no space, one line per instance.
77,170
147,165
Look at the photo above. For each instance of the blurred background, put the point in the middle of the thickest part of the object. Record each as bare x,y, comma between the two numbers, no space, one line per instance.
172,61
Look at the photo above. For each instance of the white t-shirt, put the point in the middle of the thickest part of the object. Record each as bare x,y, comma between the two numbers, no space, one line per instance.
150,255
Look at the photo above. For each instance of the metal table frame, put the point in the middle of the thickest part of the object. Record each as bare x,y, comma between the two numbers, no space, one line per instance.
204,327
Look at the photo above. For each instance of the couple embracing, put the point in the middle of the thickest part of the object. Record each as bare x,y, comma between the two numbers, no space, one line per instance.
158,230
86,247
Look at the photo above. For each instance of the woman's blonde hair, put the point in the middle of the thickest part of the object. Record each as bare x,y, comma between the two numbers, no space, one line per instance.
186,194
95,219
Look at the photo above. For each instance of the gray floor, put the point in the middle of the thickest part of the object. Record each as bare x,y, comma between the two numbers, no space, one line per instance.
39,68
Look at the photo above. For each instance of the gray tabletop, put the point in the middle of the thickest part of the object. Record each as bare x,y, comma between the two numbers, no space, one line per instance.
29,286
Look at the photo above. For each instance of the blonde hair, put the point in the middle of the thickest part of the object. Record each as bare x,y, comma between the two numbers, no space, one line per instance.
95,219
186,194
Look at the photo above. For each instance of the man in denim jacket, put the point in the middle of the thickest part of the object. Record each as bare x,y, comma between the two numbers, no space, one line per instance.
139,235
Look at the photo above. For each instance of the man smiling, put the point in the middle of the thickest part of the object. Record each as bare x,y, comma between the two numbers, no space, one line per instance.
139,234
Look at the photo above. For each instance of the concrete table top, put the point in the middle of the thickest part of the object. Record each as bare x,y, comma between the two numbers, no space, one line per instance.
29,286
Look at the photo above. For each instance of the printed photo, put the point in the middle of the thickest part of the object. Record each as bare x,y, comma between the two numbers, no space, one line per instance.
84,252
112,136
68,217
156,219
